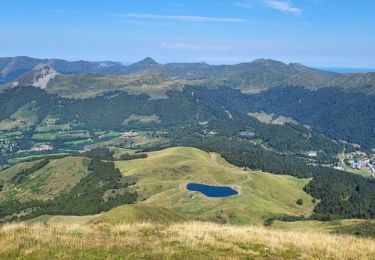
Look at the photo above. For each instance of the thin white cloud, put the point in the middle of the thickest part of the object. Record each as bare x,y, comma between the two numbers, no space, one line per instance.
196,47
184,18
284,6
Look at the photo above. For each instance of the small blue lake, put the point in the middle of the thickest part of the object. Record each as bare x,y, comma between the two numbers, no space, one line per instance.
212,191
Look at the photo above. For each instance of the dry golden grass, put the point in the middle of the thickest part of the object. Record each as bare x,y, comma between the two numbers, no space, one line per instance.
189,240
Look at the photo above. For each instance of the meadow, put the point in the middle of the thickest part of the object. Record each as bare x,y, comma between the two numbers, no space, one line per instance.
187,240
162,178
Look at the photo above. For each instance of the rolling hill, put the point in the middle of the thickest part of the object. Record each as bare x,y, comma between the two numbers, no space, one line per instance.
162,178
138,214
42,179
125,214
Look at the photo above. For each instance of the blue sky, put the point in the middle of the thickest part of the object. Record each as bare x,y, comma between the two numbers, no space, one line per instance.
321,33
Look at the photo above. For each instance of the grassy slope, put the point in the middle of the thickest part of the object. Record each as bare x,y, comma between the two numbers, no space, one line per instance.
87,85
177,241
138,214
23,118
139,142
27,113
271,119
123,214
8,173
62,220
162,178
323,226
57,176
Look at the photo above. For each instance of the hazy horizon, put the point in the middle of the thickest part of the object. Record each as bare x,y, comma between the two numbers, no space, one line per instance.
316,33
126,63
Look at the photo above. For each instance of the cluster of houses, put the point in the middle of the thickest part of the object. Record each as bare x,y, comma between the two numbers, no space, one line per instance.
206,131
359,160
42,148
128,134
358,165
312,153
9,145
209,133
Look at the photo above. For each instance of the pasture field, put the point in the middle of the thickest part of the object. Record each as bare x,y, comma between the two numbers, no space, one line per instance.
10,134
142,119
359,227
9,125
43,128
162,178
138,214
125,214
69,135
27,113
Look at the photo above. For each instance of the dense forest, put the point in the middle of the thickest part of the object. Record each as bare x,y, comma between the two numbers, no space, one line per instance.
189,107
338,114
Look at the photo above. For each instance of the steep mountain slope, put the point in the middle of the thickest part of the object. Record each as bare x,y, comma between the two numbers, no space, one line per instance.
12,68
147,65
37,77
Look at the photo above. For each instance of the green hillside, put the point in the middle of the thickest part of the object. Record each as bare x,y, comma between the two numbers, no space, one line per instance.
123,214
138,214
162,179
62,220
61,186
88,85
42,179
358,227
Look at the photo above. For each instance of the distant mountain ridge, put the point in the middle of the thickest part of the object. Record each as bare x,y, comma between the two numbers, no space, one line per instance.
13,67
255,76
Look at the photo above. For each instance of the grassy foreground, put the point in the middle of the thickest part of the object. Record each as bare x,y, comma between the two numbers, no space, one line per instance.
358,227
188,240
